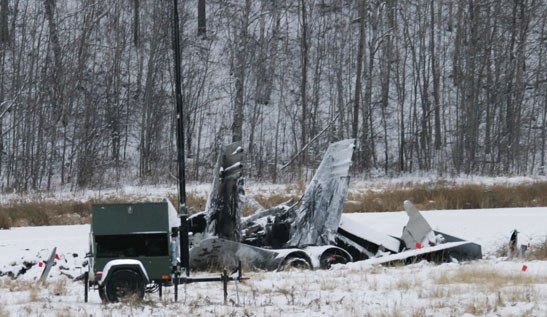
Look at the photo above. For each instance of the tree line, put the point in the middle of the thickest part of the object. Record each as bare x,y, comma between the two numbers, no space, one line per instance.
443,86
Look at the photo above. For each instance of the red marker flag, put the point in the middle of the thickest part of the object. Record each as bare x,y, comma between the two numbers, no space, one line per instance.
524,268
418,245
40,264
57,257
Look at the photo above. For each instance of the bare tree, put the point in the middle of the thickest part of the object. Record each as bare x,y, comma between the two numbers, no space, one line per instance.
136,22
240,69
304,61
4,22
202,19
4,42
452,87
359,69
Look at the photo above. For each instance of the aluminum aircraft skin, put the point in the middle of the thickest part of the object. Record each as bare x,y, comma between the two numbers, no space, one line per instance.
311,233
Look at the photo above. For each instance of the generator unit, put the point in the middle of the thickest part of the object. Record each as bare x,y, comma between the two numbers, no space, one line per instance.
135,249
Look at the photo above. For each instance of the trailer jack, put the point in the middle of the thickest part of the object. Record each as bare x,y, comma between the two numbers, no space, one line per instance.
224,278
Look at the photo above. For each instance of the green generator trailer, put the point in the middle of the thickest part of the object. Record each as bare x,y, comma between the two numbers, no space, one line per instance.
132,245
135,248
140,231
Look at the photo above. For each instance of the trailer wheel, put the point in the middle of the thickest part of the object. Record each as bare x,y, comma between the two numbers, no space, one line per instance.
102,294
124,285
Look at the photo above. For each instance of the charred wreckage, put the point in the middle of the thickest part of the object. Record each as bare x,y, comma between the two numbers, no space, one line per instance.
311,233
138,248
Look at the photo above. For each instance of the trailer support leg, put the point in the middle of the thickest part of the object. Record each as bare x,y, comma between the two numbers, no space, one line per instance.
86,286
176,287
225,284
161,289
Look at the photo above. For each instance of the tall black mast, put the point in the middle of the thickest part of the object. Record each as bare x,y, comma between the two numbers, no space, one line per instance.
183,211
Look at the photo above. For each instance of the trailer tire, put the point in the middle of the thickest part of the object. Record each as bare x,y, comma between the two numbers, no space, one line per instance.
124,284
102,294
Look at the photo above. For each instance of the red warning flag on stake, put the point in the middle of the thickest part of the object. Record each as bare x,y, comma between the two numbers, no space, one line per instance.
418,245
57,257
524,268
40,264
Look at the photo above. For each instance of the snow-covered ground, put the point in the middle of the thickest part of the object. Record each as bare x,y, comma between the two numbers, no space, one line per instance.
494,286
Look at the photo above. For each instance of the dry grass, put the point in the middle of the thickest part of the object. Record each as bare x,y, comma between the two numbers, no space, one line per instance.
455,291
46,213
406,284
248,210
437,195
132,300
327,285
442,195
268,201
419,312
42,213
489,280
491,303
3,313
66,313
494,289
289,294
34,293
521,294
538,252
16,285
5,220
497,289
195,202
58,287
439,292
30,287
298,188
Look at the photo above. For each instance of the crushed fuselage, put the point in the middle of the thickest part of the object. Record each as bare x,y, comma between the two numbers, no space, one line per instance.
312,232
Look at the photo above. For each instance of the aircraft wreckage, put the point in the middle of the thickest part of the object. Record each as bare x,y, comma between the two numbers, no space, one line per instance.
311,233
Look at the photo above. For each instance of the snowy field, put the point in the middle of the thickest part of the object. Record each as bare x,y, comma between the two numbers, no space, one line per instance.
494,286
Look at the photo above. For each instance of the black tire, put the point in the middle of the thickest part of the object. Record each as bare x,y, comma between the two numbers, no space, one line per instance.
102,294
124,284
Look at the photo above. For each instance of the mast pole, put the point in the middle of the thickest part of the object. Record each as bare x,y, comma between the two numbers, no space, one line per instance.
182,210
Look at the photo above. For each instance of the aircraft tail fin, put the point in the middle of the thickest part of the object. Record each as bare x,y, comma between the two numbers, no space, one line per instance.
417,232
317,218
223,209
